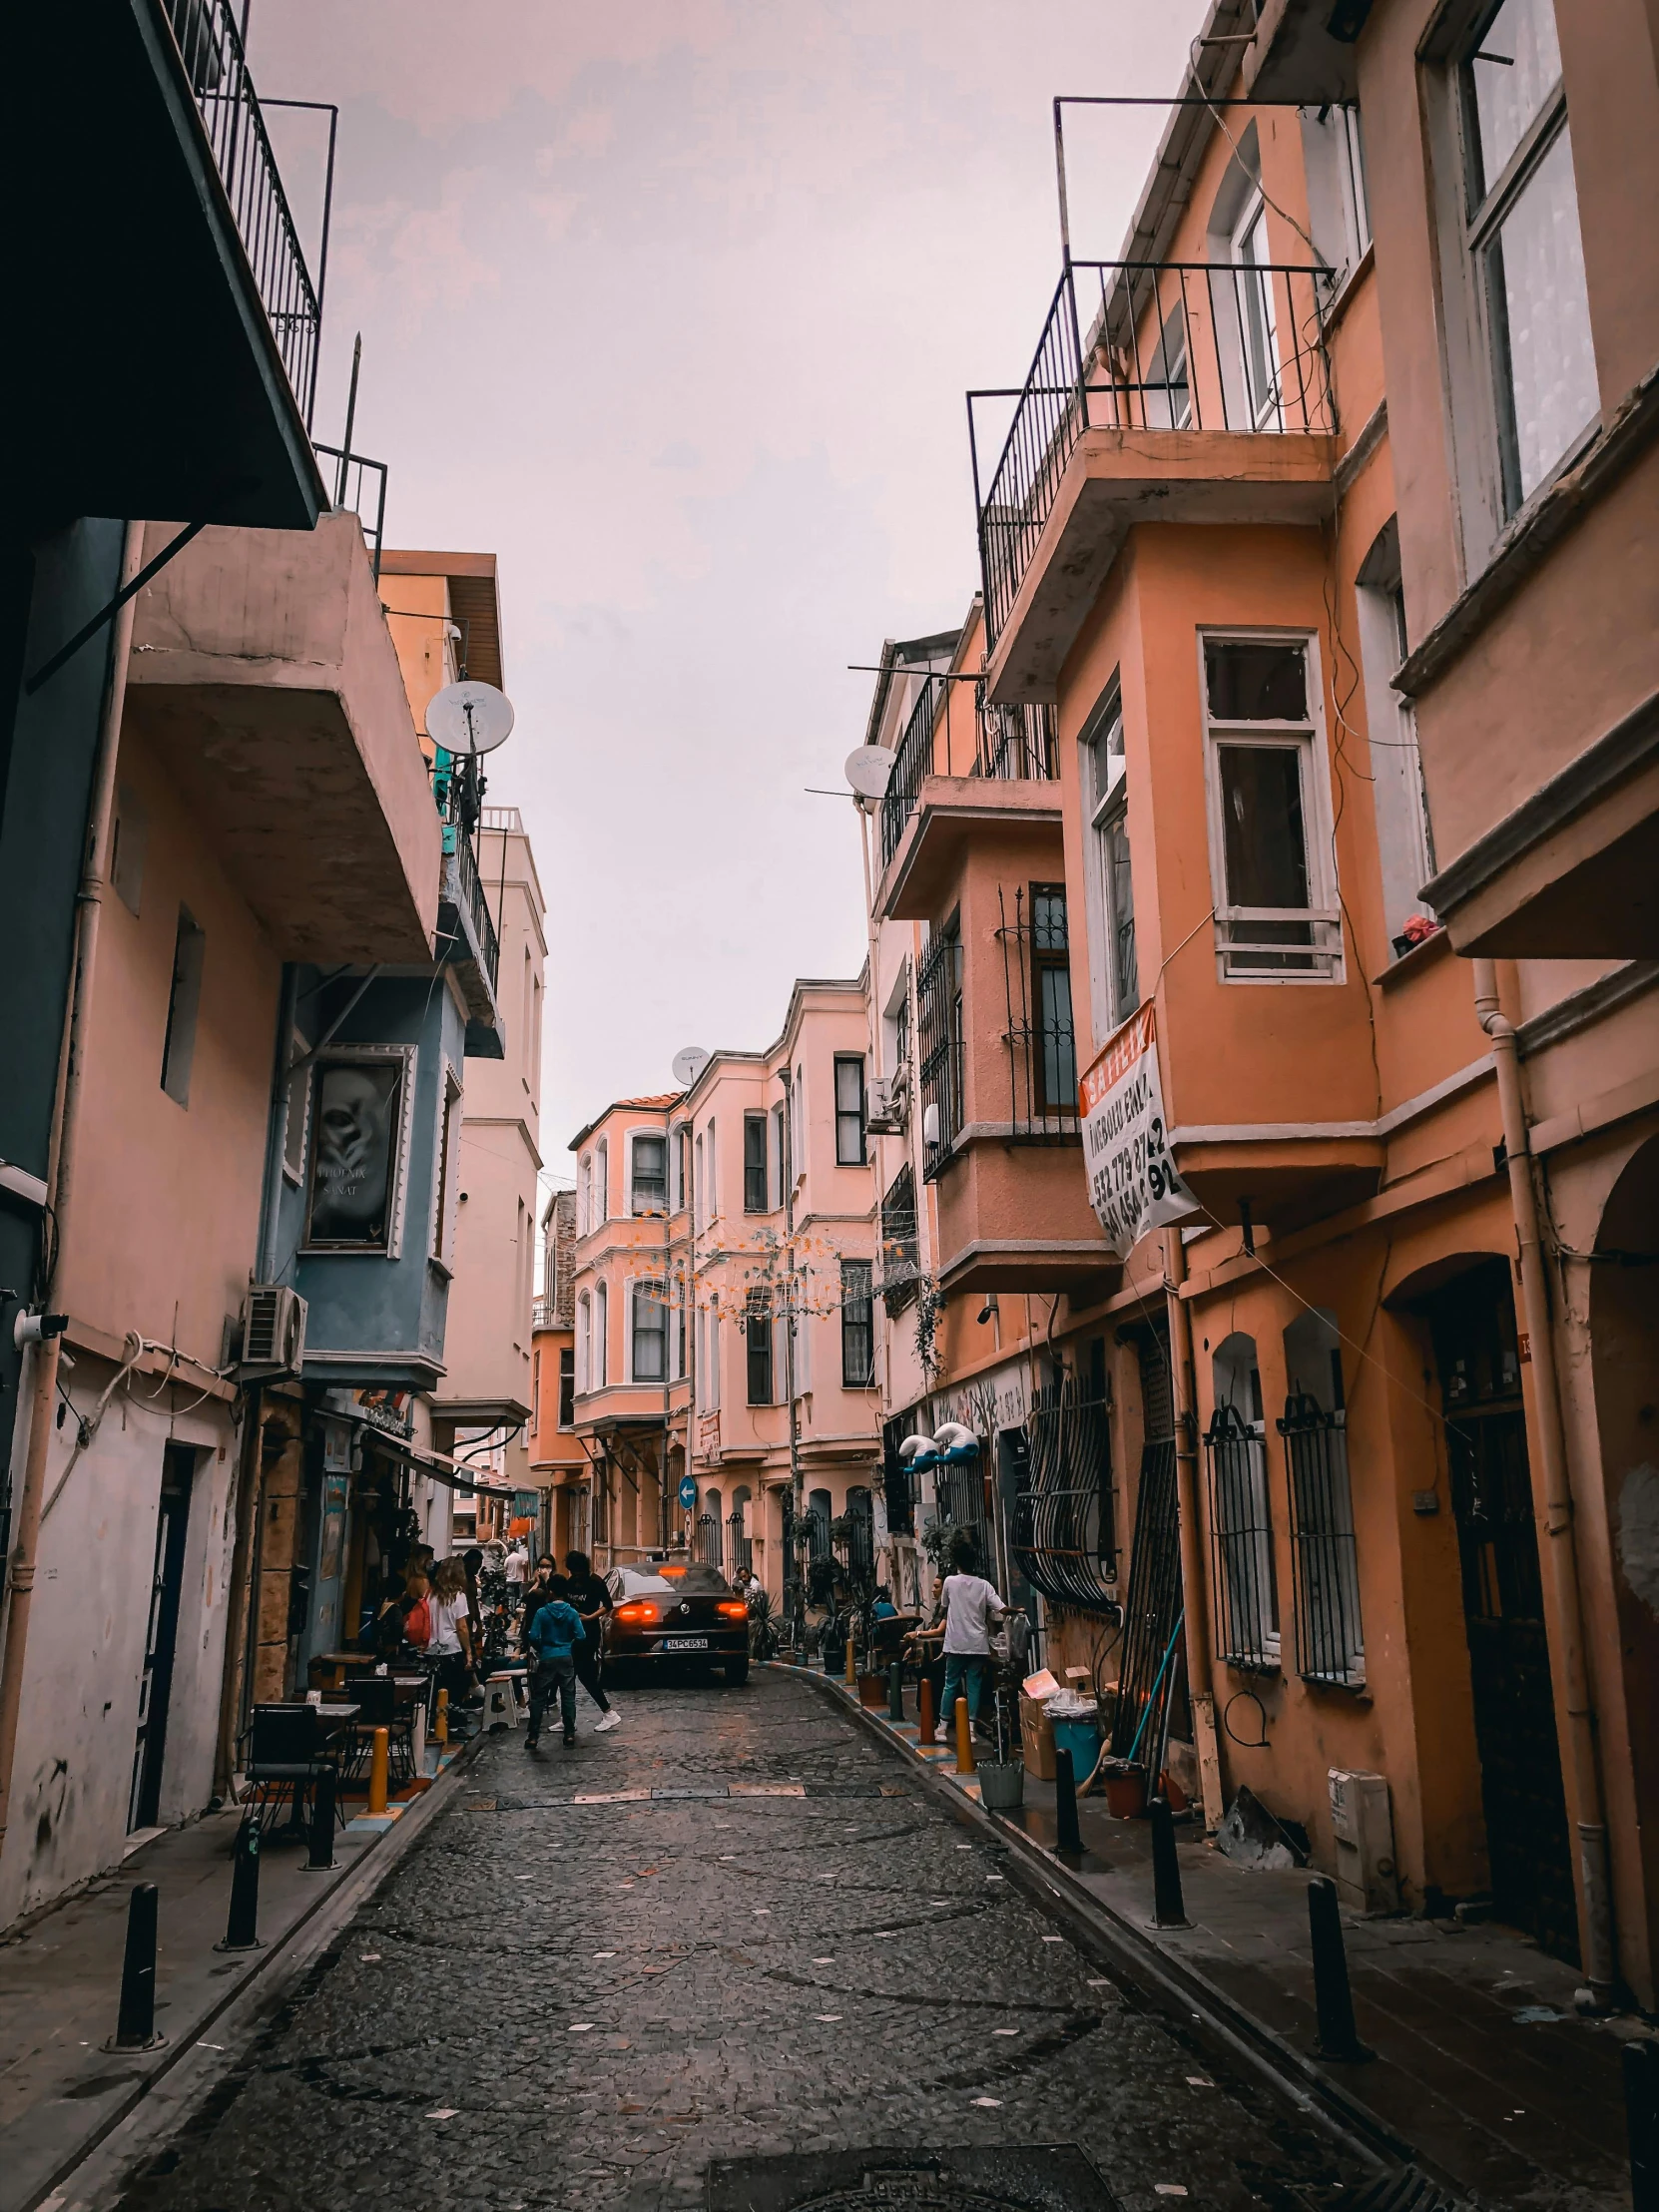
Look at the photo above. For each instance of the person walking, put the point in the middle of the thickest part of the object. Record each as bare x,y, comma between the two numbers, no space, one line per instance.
592,1602
556,1635
970,1606
516,1566
450,1642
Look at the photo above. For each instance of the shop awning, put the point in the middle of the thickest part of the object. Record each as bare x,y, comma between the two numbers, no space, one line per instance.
440,1465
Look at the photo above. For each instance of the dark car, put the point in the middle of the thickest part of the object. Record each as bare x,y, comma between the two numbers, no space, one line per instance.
668,1612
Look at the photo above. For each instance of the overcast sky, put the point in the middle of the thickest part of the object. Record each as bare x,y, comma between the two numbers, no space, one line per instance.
671,305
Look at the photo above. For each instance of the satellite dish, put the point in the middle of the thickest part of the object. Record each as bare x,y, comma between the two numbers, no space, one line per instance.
869,770
688,1064
469,718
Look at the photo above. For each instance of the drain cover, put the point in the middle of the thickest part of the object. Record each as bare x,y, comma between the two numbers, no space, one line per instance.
1050,2177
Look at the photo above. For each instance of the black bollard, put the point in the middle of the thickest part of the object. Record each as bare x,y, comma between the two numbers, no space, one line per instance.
135,2028
321,1857
242,1928
1641,2107
1169,1908
1067,1835
896,1690
1333,2000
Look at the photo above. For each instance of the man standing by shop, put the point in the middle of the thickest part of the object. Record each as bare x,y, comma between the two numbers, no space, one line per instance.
592,1602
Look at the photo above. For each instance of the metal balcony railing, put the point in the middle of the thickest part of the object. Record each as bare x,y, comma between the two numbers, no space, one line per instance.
942,739
210,46
1150,345
899,1265
461,857
360,484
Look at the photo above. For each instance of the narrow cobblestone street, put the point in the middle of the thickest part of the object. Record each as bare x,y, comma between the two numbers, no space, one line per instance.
554,2003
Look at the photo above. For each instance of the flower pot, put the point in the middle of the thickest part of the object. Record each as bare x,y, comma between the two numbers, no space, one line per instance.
873,1691
1002,1785
1125,1789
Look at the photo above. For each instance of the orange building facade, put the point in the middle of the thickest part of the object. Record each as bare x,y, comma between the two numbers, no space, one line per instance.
1356,1428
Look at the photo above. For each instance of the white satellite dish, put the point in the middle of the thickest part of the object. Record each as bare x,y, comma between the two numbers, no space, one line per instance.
469,718
869,770
688,1064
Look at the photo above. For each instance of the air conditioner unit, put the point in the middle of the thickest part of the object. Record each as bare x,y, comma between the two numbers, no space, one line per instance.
884,1117
1366,1876
272,1332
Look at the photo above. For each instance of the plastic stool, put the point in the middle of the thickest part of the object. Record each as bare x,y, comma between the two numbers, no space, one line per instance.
501,1704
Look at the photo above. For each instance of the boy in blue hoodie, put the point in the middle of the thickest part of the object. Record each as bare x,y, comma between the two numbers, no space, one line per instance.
555,1631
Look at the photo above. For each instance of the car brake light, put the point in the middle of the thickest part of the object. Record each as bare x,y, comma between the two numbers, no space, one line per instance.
734,1607
636,1613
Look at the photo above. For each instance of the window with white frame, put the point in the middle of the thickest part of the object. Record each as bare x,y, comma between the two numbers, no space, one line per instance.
699,1214
584,1194
712,1208
1276,918
857,1326
601,1184
1523,237
1114,978
648,1180
1338,209
1404,840
849,1110
648,1334
584,1342
1258,316
599,1373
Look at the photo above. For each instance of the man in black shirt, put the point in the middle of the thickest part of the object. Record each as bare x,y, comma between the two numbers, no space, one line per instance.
592,1600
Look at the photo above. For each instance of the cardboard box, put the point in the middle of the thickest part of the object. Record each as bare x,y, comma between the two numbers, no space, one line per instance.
1036,1732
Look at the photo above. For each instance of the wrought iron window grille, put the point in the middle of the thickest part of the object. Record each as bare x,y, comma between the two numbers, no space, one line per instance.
901,1261
1330,1644
1040,1037
740,1546
1169,346
897,1482
1242,1573
857,1326
1065,1535
940,1019
455,790
1149,1656
959,1502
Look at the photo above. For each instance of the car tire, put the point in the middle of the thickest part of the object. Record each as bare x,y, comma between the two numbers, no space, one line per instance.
737,1672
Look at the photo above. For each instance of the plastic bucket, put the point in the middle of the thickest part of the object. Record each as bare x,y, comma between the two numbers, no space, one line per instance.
1082,1740
1002,1786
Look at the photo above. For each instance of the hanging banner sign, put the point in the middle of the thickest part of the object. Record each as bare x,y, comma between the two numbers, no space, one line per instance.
1133,1185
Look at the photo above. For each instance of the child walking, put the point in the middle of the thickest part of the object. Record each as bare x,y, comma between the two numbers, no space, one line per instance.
554,1633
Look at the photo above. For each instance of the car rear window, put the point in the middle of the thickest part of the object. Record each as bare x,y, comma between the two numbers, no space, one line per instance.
696,1581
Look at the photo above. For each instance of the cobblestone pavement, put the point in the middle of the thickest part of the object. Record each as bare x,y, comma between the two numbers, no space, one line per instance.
553,2005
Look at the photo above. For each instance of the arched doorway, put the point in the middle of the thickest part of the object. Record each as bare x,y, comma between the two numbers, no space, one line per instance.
1471,1320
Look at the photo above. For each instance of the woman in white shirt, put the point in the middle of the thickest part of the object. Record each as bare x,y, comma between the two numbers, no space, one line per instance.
451,1643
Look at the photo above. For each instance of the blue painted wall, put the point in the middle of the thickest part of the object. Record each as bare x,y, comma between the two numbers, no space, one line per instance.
391,1310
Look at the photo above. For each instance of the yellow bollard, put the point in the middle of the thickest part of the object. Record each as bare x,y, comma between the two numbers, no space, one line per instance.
377,1763
440,1724
964,1738
851,1667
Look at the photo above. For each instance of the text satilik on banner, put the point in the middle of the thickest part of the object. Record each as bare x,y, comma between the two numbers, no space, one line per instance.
1133,1185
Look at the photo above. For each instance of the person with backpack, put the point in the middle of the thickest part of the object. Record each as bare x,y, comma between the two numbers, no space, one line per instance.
554,1635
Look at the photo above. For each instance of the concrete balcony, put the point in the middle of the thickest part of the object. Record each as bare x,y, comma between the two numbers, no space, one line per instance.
1015,1215
1160,392
957,815
264,675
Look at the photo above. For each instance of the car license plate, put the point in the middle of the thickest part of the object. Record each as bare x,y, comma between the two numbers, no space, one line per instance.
685,1643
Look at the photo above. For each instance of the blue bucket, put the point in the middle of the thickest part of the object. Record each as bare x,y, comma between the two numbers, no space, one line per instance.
1082,1740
